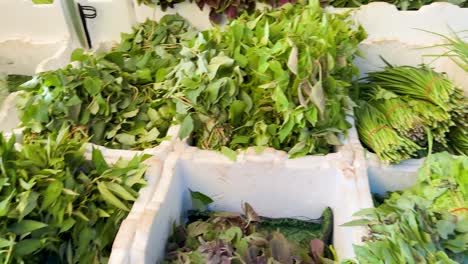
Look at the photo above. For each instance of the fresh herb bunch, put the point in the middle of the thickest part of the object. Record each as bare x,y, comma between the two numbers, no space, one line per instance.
459,141
57,207
376,133
412,102
271,79
424,224
111,96
218,8
400,4
222,237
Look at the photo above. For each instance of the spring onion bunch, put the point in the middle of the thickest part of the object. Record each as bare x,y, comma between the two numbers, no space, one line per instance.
376,133
459,141
412,101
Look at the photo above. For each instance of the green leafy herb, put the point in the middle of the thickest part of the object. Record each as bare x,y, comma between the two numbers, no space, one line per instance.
111,96
424,224
400,4
222,237
271,79
55,206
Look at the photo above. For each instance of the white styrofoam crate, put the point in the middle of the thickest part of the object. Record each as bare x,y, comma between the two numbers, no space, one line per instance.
30,34
382,21
125,236
40,23
275,188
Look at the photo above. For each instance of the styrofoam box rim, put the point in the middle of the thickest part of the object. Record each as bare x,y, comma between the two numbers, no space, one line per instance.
155,226
342,152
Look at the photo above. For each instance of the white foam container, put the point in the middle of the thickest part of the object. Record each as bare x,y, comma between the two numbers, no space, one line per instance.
125,236
30,34
275,187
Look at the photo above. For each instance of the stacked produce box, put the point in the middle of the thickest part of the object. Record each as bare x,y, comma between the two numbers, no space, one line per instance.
252,142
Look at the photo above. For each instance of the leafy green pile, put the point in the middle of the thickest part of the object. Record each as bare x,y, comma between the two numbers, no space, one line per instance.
223,237
399,106
271,79
427,223
400,4
57,207
218,8
111,96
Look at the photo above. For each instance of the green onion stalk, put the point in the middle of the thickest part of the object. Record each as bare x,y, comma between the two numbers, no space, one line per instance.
459,141
420,83
377,134
402,118
435,119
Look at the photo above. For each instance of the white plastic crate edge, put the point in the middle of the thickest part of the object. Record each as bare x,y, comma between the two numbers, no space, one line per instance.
407,26
384,177
37,23
124,238
350,191
343,151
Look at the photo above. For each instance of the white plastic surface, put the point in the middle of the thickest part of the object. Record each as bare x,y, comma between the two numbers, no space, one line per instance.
400,53
190,11
274,185
383,21
21,19
124,238
159,151
112,18
384,178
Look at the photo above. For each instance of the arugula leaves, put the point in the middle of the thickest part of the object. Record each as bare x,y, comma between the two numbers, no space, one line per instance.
55,206
424,224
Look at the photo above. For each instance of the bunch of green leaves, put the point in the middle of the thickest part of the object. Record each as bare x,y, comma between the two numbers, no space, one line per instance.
271,79
219,9
111,96
400,4
427,223
57,207
414,102
223,237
